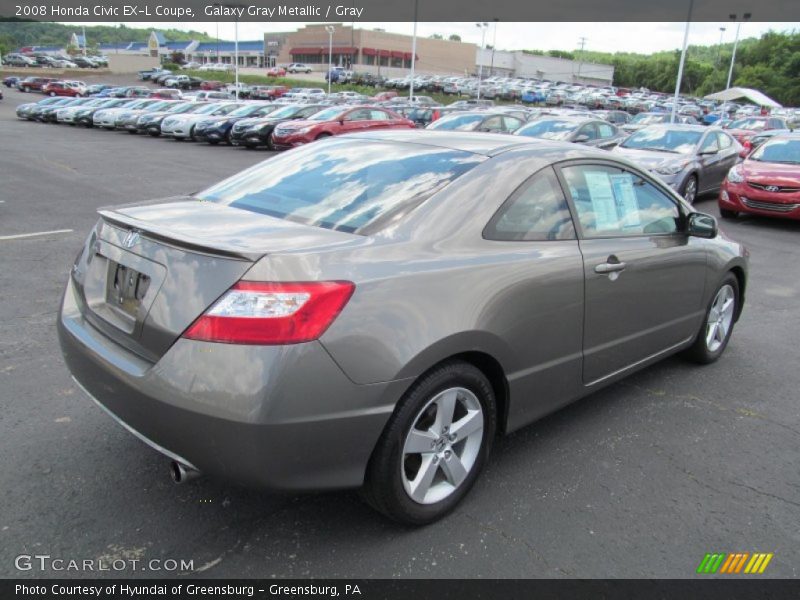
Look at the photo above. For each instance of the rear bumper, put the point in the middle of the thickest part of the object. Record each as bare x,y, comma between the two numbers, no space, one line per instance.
274,417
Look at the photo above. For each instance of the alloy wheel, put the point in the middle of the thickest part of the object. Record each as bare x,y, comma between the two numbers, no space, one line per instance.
690,192
442,446
720,318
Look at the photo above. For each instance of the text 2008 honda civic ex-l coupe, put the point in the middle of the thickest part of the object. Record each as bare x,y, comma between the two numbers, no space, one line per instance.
372,310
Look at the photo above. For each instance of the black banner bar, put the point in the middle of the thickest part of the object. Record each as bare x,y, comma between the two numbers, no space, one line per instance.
734,588
397,10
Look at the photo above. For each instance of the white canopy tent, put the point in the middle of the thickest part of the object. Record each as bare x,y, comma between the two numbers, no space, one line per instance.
736,93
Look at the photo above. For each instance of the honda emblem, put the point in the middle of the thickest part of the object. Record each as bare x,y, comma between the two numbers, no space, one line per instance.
131,239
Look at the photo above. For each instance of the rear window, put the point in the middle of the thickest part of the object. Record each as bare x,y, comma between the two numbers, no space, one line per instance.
356,186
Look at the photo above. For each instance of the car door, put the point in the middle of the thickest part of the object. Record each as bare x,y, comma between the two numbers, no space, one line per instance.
643,275
356,120
711,162
729,154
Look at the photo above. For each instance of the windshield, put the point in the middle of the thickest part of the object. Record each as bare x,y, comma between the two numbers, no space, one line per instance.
752,124
778,151
286,111
225,109
458,122
180,108
204,109
549,129
352,186
246,110
663,140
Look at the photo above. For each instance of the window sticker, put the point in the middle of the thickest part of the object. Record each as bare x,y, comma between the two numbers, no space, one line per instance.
601,195
625,197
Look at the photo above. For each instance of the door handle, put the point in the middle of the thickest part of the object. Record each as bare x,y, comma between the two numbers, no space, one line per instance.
610,267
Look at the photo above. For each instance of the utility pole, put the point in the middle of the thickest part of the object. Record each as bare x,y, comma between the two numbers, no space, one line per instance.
582,41
413,54
494,46
680,65
719,47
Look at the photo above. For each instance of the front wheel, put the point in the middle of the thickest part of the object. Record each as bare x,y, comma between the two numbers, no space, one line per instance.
689,191
717,327
434,446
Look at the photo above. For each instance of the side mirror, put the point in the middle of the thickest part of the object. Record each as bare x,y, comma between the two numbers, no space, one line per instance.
581,138
744,152
702,226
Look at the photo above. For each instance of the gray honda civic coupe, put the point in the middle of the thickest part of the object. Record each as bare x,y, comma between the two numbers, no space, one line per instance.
371,310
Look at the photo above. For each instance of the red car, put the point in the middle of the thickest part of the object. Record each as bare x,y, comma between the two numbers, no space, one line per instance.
211,85
166,94
384,96
334,121
267,92
767,182
34,84
744,129
276,72
59,88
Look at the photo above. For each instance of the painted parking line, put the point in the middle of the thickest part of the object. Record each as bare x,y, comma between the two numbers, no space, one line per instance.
36,234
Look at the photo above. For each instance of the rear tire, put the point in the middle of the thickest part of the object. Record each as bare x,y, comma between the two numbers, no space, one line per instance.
728,214
453,407
717,327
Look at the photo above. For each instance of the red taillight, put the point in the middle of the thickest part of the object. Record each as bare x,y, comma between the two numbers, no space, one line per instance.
272,313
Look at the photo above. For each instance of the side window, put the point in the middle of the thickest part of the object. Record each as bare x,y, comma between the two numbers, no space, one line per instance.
511,124
536,211
357,115
378,115
724,140
589,130
613,202
606,130
492,124
710,144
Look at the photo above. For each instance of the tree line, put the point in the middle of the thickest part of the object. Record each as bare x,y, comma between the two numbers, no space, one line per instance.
770,64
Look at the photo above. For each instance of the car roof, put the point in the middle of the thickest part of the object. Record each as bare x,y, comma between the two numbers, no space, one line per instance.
486,144
678,126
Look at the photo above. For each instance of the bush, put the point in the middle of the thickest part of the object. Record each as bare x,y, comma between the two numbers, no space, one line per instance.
171,66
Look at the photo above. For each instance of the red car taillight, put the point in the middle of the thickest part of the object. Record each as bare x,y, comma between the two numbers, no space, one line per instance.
272,313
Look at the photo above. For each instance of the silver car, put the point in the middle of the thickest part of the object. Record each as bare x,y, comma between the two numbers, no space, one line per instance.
691,159
371,310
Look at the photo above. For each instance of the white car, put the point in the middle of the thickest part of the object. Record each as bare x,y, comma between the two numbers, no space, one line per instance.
206,96
191,65
107,118
67,114
181,127
298,68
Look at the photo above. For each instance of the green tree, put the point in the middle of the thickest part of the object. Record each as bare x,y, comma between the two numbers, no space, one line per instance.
454,37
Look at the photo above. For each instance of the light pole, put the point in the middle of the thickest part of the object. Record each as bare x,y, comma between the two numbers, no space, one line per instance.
483,27
413,54
494,45
330,29
746,17
680,66
719,48
236,56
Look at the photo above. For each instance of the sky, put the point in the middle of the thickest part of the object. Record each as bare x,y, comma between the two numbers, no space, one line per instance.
602,37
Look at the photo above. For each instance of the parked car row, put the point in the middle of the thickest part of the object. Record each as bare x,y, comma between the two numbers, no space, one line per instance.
59,61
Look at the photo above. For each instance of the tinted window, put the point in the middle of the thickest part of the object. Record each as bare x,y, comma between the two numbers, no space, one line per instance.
353,186
606,130
536,211
778,150
589,130
615,202
379,115
710,144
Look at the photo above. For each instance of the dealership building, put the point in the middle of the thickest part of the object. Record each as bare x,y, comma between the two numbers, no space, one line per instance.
523,64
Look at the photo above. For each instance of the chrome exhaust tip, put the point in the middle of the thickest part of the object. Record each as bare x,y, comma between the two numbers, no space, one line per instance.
181,473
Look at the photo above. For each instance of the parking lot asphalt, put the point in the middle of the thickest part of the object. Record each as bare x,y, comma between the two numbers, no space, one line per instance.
639,480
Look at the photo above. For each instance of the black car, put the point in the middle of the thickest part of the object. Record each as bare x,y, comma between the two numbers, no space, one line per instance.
85,116
11,81
84,63
218,129
254,132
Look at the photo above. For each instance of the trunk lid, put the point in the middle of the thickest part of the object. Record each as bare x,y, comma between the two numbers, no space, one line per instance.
148,271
